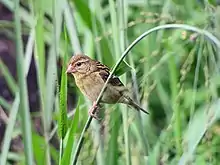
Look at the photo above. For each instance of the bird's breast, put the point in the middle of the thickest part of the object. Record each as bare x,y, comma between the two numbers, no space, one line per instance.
90,86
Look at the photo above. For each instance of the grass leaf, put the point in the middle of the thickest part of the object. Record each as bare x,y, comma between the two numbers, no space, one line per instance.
10,126
24,106
70,140
202,120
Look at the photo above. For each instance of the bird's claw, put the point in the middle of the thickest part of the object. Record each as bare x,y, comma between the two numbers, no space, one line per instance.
92,111
94,116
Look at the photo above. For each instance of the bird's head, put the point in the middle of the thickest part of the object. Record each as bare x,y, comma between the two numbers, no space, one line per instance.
79,64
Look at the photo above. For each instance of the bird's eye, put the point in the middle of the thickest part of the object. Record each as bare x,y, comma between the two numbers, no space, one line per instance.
79,64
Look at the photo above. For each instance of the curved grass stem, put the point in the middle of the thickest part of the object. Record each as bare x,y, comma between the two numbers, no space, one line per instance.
168,26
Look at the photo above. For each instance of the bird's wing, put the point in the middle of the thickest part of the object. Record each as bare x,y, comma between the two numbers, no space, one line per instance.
115,81
104,72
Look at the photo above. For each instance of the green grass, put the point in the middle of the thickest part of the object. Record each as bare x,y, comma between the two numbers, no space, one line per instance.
23,104
173,75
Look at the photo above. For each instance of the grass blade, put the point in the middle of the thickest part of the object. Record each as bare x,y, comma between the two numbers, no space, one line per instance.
62,125
10,126
24,107
201,121
71,28
113,153
4,103
66,159
8,77
62,122
40,63
174,95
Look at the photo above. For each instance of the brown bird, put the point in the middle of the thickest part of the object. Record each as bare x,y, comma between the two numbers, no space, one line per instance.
91,75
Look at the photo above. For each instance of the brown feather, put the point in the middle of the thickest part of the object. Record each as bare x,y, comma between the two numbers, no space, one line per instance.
115,81
77,58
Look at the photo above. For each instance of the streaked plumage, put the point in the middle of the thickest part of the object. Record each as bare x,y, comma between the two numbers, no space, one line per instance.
90,76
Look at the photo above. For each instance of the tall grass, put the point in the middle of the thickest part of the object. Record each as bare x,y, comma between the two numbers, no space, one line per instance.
23,106
172,68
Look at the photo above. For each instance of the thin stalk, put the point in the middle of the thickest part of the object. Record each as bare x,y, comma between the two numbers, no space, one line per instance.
115,31
165,11
4,103
123,38
174,91
61,151
8,77
40,63
112,153
29,50
95,7
9,131
71,27
125,53
98,138
196,78
214,69
24,107
98,143
139,121
52,70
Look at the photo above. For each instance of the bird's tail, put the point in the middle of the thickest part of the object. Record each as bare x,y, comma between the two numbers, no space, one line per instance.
135,105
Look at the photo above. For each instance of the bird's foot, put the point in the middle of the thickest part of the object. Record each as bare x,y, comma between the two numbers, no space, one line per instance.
93,111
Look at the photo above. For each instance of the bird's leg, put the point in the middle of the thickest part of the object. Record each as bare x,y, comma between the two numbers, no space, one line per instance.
93,110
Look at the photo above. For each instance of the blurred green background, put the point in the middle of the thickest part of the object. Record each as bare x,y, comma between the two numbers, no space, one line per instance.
173,73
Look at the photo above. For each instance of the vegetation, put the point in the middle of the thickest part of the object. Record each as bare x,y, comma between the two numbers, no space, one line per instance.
173,72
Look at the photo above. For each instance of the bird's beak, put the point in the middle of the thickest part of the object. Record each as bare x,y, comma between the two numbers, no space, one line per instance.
70,69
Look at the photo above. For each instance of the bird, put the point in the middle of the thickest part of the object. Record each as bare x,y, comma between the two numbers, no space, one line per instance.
90,76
